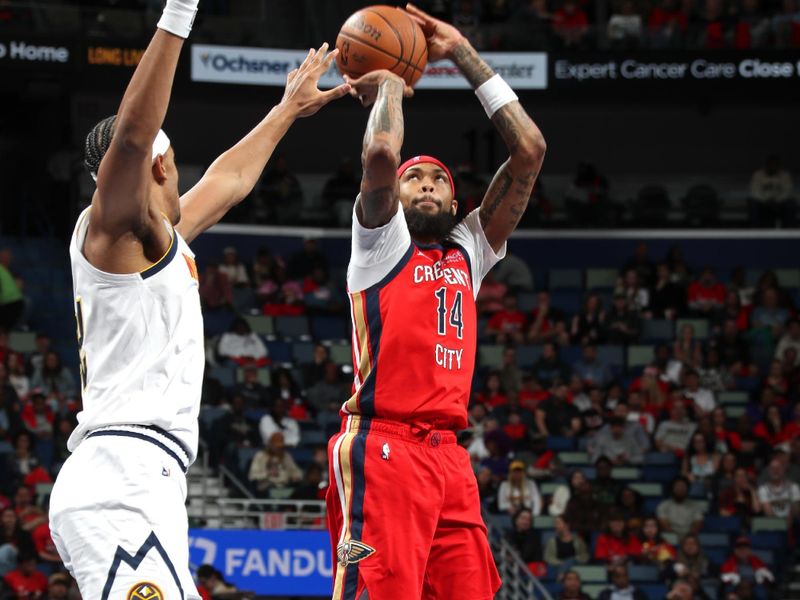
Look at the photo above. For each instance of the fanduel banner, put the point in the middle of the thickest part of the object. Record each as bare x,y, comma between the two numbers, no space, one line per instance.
267,66
270,563
656,67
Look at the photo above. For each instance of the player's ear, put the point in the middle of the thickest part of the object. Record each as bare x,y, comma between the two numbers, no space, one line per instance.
159,169
453,206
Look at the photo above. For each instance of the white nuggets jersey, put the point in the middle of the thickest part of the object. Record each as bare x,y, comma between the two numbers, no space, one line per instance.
141,343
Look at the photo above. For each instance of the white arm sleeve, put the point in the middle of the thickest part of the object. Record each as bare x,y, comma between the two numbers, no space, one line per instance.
469,235
375,252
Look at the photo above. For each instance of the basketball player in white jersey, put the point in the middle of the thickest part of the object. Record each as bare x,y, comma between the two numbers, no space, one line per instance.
117,509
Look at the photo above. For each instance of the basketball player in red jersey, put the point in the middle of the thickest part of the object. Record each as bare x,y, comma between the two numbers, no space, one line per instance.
404,514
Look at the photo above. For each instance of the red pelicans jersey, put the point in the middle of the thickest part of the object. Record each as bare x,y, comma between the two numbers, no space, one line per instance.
415,322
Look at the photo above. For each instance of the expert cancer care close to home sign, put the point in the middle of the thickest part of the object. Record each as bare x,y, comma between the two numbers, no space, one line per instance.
697,69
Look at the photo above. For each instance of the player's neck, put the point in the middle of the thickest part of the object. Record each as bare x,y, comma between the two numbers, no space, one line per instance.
422,240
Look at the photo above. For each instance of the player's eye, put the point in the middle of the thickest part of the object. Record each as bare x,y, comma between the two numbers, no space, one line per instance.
440,177
413,176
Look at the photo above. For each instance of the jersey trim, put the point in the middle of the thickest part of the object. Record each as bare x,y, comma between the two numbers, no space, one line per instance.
162,262
140,436
464,252
395,270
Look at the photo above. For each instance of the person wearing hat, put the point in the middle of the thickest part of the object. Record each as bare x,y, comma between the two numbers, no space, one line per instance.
743,565
233,268
401,526
622,324
58,587
518,491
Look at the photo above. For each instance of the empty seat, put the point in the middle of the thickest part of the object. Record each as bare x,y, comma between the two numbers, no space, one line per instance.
654,590
216,322
734,412
700,327
611,355
647,488
559,444
733,397
788,278
565,279
527,355
768,539
225,375
662,474
591,573
659,458
701,205
768,524
643,573
601,278
640,356
651,206
717,555
341,354
22,341
527,301
657,330
260,324
716,523
293,328
264,376
714,539
568,301
490,356
626,473
329,328
543,522
279,352
302,352
574,458
243,299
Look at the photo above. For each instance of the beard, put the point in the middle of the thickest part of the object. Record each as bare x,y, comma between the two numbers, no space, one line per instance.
427,226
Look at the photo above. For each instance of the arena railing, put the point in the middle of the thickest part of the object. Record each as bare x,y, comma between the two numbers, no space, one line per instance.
518,581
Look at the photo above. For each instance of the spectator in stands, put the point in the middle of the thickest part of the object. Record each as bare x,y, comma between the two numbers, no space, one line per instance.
623,325
588,326
319,293
563,493
273,466
617,444
625,26
212,583
284,386
691,560
744,565
772,429
682,590
565,549
678,513
714,376
751,27
674,435
733,349
58,587
556,416
233,268
786,25
17,377
14,540
591,371
315,370
667,24
487,488
771,190
514,273
264,267
741,498
518,491
631,504
640,422
549,369
706,295
26,581
312,487
340,191
583,512
732,309
621,587
700,462
687,349
233,430
655,549
36,358
278,419
54,379
769,315
510,374
492,394
508,325
303,263
12,302
606,488
216,292
326,396
255,395
714,25
702,399
779,496
790,339
525,539
23,462
642,264
668,299
241,345
491,295
572,587
587,197
282,192
547,323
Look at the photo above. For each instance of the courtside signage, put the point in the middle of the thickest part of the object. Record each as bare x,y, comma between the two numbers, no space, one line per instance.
271,563
268,66
24,52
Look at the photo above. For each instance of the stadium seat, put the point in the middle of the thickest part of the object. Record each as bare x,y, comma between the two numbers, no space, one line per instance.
209,415
643,573
22,341
670,537
293,328
527,301
490,356
245,457
501,521
647,488
593,590
640,356
716,523
734,412
700,326
660,458
568,301
768,524
543,522
654,590
788,278
280,493
626,473
768,539
261,324
341,354
601,278
651,206
570,354
243,299
548,488
659,473
733,397
765,554
527,355
302,352
613,356
657,330
558,279
701,204
717,555
314,438
709,539
560,444
591,573
264,376
225,375
697,490
329,328
216,322
302,455
279,352
574,458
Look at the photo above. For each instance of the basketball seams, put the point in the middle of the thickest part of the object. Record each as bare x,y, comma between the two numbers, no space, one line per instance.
377,48
399,37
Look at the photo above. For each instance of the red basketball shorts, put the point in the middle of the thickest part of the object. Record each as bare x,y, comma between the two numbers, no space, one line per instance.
404,516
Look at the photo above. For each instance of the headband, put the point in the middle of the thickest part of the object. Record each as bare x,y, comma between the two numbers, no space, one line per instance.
160,147
412,162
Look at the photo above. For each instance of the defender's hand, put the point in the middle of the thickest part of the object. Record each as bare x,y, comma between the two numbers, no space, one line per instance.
442,38
301,91
365,88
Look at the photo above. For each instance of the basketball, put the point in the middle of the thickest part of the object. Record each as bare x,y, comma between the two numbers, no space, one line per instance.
382,37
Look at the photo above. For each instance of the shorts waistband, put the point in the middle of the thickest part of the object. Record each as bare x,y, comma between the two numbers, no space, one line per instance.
421,433
148,433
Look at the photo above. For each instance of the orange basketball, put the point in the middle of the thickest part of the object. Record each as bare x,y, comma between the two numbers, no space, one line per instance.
382,37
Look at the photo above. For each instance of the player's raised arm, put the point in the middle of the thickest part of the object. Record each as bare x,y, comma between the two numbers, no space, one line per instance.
122,200
234,174
380,154
508,194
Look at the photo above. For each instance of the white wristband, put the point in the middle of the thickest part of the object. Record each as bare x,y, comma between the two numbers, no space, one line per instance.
494,94
178,17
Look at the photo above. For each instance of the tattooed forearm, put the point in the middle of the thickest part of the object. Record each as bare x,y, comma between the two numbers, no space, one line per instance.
471,64
496,194
512,122
387,115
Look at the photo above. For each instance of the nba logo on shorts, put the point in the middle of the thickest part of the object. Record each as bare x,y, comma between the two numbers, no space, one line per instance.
145,591
385,452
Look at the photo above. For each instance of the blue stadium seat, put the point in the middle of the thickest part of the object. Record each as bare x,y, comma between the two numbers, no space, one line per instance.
663,474
293,328
570,354
216,322
209,415
657,330
301,455
225,375
765,554
568,301
643,573
651,504
303,352
314,438
716,523
660,458
527,301
611,355
768,539
527,355
329,328
654,590
280,352
717,556
244,299
561,279
709,539
244,458
501,522
559,444
697,491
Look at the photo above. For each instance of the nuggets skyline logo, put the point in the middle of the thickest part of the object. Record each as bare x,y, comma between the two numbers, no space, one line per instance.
145,591
353,552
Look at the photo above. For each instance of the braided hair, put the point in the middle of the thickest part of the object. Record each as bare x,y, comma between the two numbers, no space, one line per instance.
97,143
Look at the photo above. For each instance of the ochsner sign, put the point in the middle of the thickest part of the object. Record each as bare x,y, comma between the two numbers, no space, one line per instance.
23,51
269,66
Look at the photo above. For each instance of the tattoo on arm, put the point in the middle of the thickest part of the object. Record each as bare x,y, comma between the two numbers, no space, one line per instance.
510,121
471,65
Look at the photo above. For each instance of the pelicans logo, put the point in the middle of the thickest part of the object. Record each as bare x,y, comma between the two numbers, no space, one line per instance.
353,552
145,591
